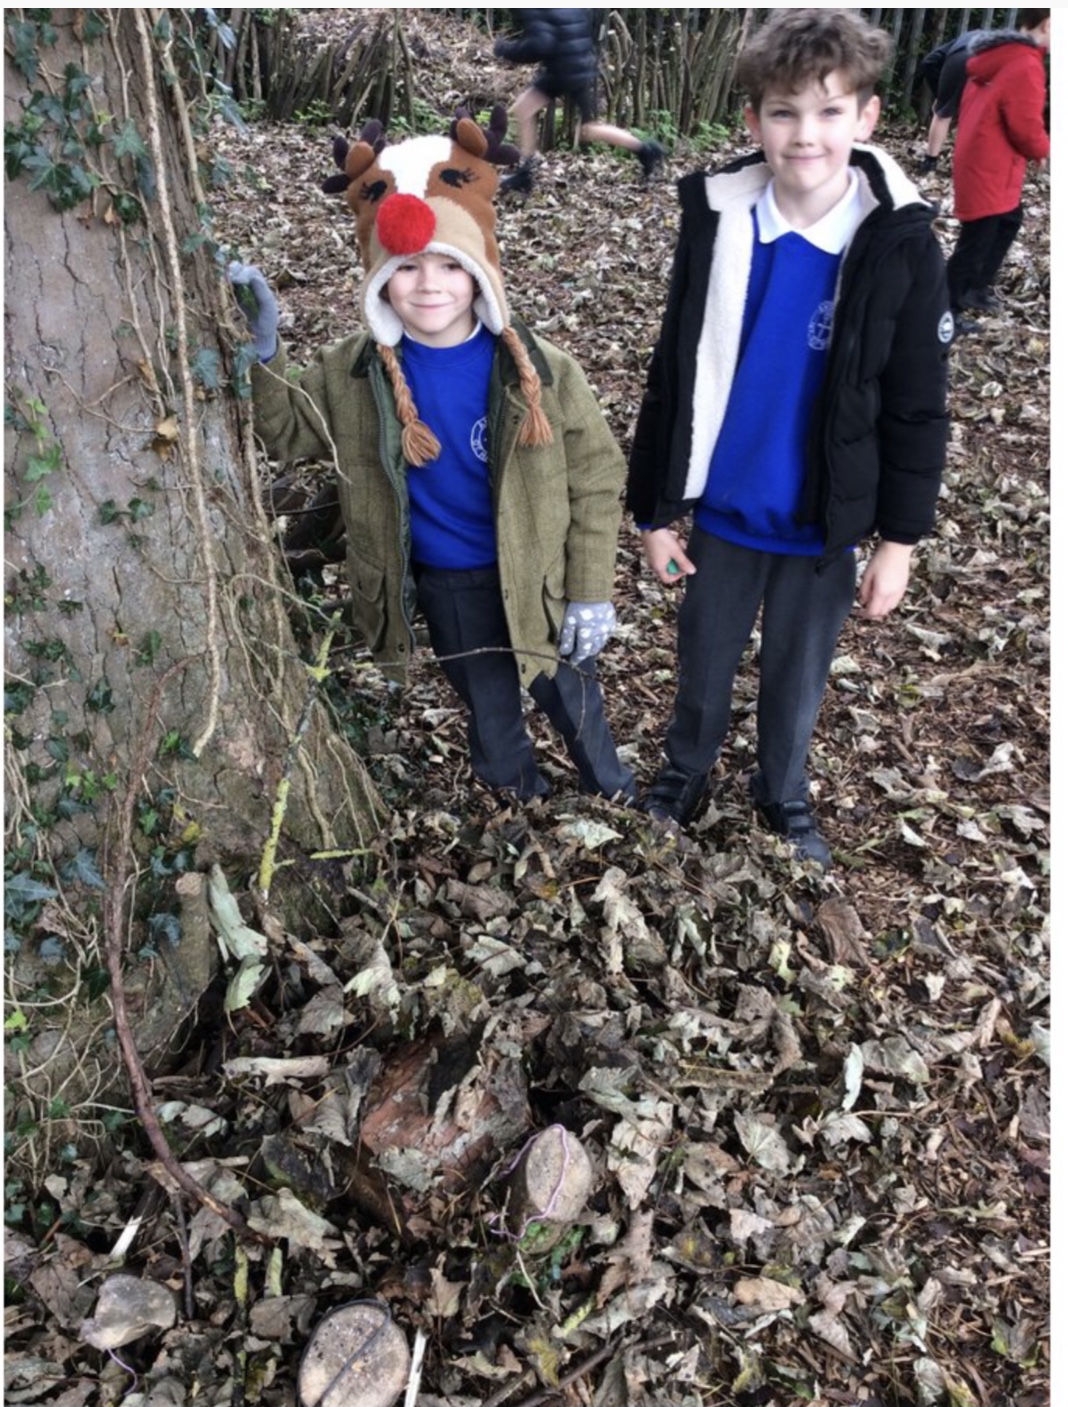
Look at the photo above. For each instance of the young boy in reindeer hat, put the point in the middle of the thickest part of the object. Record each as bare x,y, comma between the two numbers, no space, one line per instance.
478,479
795,404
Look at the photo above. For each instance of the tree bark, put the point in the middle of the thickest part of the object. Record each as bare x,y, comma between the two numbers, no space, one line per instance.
137,541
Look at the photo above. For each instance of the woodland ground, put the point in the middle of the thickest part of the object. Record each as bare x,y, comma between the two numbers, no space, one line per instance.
817,1108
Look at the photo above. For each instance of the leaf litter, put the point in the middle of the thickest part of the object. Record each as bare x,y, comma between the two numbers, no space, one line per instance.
816,1110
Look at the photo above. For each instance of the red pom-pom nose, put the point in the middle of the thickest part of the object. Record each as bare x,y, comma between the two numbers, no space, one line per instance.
405,224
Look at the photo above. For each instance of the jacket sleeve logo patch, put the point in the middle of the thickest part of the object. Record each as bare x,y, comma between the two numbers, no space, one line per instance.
946,328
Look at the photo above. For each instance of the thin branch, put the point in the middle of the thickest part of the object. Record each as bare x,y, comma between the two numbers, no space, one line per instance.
113,924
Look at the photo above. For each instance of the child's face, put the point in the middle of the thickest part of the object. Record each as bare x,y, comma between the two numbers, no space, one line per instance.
433,296
807,138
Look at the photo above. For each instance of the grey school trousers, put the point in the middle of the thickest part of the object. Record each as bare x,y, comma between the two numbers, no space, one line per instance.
803,611
468,630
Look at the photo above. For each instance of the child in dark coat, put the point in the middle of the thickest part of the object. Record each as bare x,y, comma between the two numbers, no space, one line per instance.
561,42
795,403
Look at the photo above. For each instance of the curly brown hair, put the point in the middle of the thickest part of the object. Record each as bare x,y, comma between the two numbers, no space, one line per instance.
794,48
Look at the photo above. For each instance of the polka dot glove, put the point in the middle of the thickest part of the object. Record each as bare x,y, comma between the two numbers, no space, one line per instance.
259,306
586,629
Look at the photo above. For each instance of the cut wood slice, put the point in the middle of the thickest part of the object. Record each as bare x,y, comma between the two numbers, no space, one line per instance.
356,1357
552,1181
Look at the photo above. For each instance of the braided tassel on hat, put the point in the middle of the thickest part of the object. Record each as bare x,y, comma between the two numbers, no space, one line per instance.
535,429
419,444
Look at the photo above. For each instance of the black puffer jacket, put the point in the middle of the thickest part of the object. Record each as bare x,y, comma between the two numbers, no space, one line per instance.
561,41
878,432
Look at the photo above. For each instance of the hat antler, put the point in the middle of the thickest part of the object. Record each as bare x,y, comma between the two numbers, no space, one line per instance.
497,151
354,160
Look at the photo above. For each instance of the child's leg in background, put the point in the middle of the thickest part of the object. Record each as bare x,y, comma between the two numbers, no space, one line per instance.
804,611
1006,228
525,111
469,635
976,243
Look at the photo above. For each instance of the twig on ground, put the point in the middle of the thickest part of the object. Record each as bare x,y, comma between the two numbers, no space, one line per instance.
113,925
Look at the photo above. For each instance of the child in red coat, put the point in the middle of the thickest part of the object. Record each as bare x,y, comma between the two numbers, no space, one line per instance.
1001,127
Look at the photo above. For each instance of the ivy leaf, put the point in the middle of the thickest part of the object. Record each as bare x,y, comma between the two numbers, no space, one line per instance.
148,649
21,892
166,926
205,368
24,39
17,697
38,465
140,510
245,358
94,26
48,175
100,698
127,141
76,82
231,113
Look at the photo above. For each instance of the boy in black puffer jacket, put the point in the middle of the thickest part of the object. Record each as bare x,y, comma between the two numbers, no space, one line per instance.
561,41
795,403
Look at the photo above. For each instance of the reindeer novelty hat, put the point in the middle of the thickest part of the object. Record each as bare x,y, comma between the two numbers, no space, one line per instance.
426,195
433,195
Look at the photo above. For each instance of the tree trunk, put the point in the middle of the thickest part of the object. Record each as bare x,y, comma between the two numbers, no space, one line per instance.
149,655
917,47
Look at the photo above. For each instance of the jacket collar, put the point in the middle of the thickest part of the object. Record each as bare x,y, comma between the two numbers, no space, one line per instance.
883,183
831,233
995,38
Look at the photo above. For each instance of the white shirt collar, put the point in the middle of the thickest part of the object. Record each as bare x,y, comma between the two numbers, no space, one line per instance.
831,233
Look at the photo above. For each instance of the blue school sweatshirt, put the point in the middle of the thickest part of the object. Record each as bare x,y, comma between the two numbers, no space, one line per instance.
450,498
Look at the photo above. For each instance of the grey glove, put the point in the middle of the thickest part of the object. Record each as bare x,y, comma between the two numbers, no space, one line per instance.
259,306
586,629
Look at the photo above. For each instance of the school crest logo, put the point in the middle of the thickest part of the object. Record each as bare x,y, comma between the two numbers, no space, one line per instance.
478,440
819,327
946,328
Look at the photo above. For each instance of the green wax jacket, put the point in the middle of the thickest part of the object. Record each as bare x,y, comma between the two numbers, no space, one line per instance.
557,506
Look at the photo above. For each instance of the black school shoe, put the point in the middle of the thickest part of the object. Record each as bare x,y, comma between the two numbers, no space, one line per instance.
794,821
651,156
521,181
675,795
983,299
